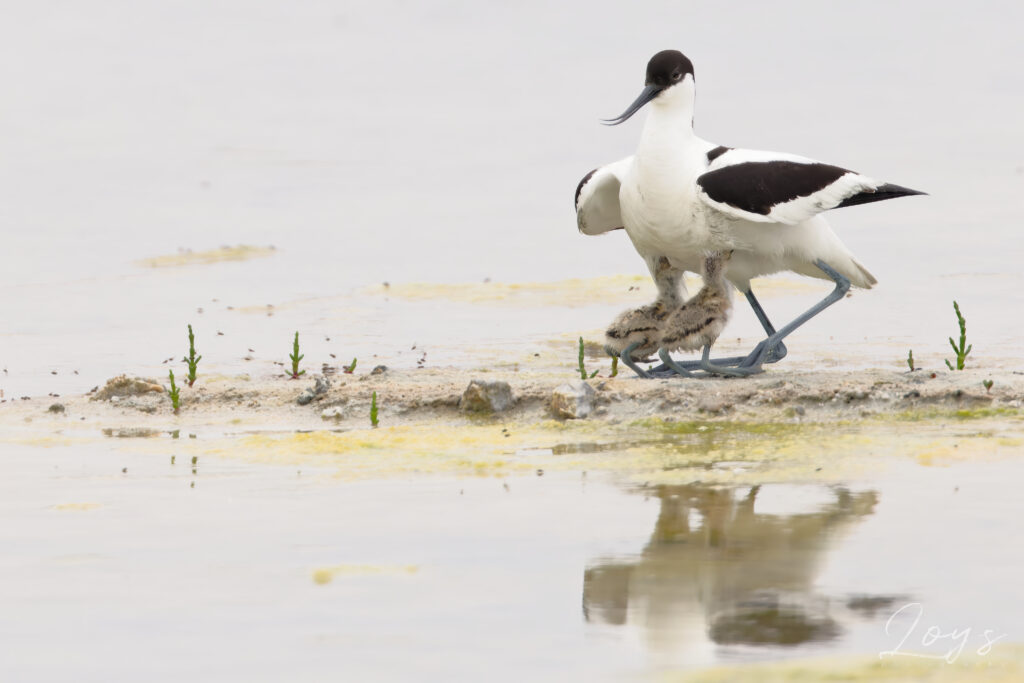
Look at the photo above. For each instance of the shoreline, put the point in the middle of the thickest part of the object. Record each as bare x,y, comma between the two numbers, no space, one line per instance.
410,396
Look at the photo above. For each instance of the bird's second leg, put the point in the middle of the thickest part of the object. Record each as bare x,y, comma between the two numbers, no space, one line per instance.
773,355
777,352
713,368
763,351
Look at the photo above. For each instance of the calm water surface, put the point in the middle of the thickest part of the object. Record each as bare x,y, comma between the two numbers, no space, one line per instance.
261,572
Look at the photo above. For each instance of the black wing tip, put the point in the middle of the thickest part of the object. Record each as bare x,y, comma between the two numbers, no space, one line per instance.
899,190
879,194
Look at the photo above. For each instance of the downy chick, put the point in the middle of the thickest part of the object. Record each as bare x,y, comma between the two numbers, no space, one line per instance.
699,321
645,325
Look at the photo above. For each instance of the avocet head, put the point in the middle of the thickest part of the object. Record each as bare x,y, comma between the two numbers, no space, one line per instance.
668,73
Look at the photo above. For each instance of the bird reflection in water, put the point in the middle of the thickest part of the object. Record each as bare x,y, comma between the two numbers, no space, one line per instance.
715,568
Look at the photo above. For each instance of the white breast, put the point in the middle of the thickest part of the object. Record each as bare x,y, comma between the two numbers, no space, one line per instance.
660,208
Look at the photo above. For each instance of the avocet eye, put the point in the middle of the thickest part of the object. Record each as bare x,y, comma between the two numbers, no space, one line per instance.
676,76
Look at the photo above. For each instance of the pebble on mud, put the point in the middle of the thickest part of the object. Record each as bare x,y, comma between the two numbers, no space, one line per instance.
321,386
123,386
713,405
573,400
334,413
486,397
56,408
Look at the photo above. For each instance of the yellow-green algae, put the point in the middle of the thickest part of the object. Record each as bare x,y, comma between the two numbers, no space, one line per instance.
1003,664
46,441
242,252
650,450
932,413
324,575
77,507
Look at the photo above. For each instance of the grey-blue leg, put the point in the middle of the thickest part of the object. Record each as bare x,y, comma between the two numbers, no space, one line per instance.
775,354
771,349
779,351
714,369
762,351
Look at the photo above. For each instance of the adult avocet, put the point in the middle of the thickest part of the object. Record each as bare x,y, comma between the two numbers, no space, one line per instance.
680,197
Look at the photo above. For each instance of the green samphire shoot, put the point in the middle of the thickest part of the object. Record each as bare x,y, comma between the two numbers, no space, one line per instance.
192,359
295,358
964,348
582,367
174,393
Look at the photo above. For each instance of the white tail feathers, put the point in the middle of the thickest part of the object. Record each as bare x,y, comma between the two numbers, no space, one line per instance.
866,279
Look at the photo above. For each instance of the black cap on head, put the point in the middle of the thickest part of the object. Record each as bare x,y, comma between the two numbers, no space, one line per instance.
668,67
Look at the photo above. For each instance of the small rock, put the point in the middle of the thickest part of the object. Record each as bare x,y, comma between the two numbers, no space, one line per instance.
486,397
335,413
320,387
711,404
123,386
56,408
379,370
573,400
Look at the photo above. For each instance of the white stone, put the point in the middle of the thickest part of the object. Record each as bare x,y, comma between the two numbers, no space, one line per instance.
573,400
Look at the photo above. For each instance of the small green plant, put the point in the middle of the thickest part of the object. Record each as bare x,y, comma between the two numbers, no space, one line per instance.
373,409
583,369
174,393
192,359
296,357
615,366
964,349
349,369
910,360
987,384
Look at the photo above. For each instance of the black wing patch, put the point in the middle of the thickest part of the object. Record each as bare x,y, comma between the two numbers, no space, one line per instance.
717,152
579,188
886,191
759,186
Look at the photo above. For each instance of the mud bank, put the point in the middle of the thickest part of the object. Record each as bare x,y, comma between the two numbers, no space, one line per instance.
408,397
778,426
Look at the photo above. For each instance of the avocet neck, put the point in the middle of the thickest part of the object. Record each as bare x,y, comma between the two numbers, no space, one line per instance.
668,148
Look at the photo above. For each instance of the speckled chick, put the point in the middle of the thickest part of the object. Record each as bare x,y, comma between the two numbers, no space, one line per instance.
699,321
646,324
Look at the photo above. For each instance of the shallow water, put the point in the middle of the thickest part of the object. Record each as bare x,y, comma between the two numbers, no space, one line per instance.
236,567
406,143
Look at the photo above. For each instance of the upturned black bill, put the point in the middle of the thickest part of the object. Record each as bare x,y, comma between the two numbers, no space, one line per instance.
646,95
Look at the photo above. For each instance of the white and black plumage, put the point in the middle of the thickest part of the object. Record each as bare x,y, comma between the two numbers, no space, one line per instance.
680,196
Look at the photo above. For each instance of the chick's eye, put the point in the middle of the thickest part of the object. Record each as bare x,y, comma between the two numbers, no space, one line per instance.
676,76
